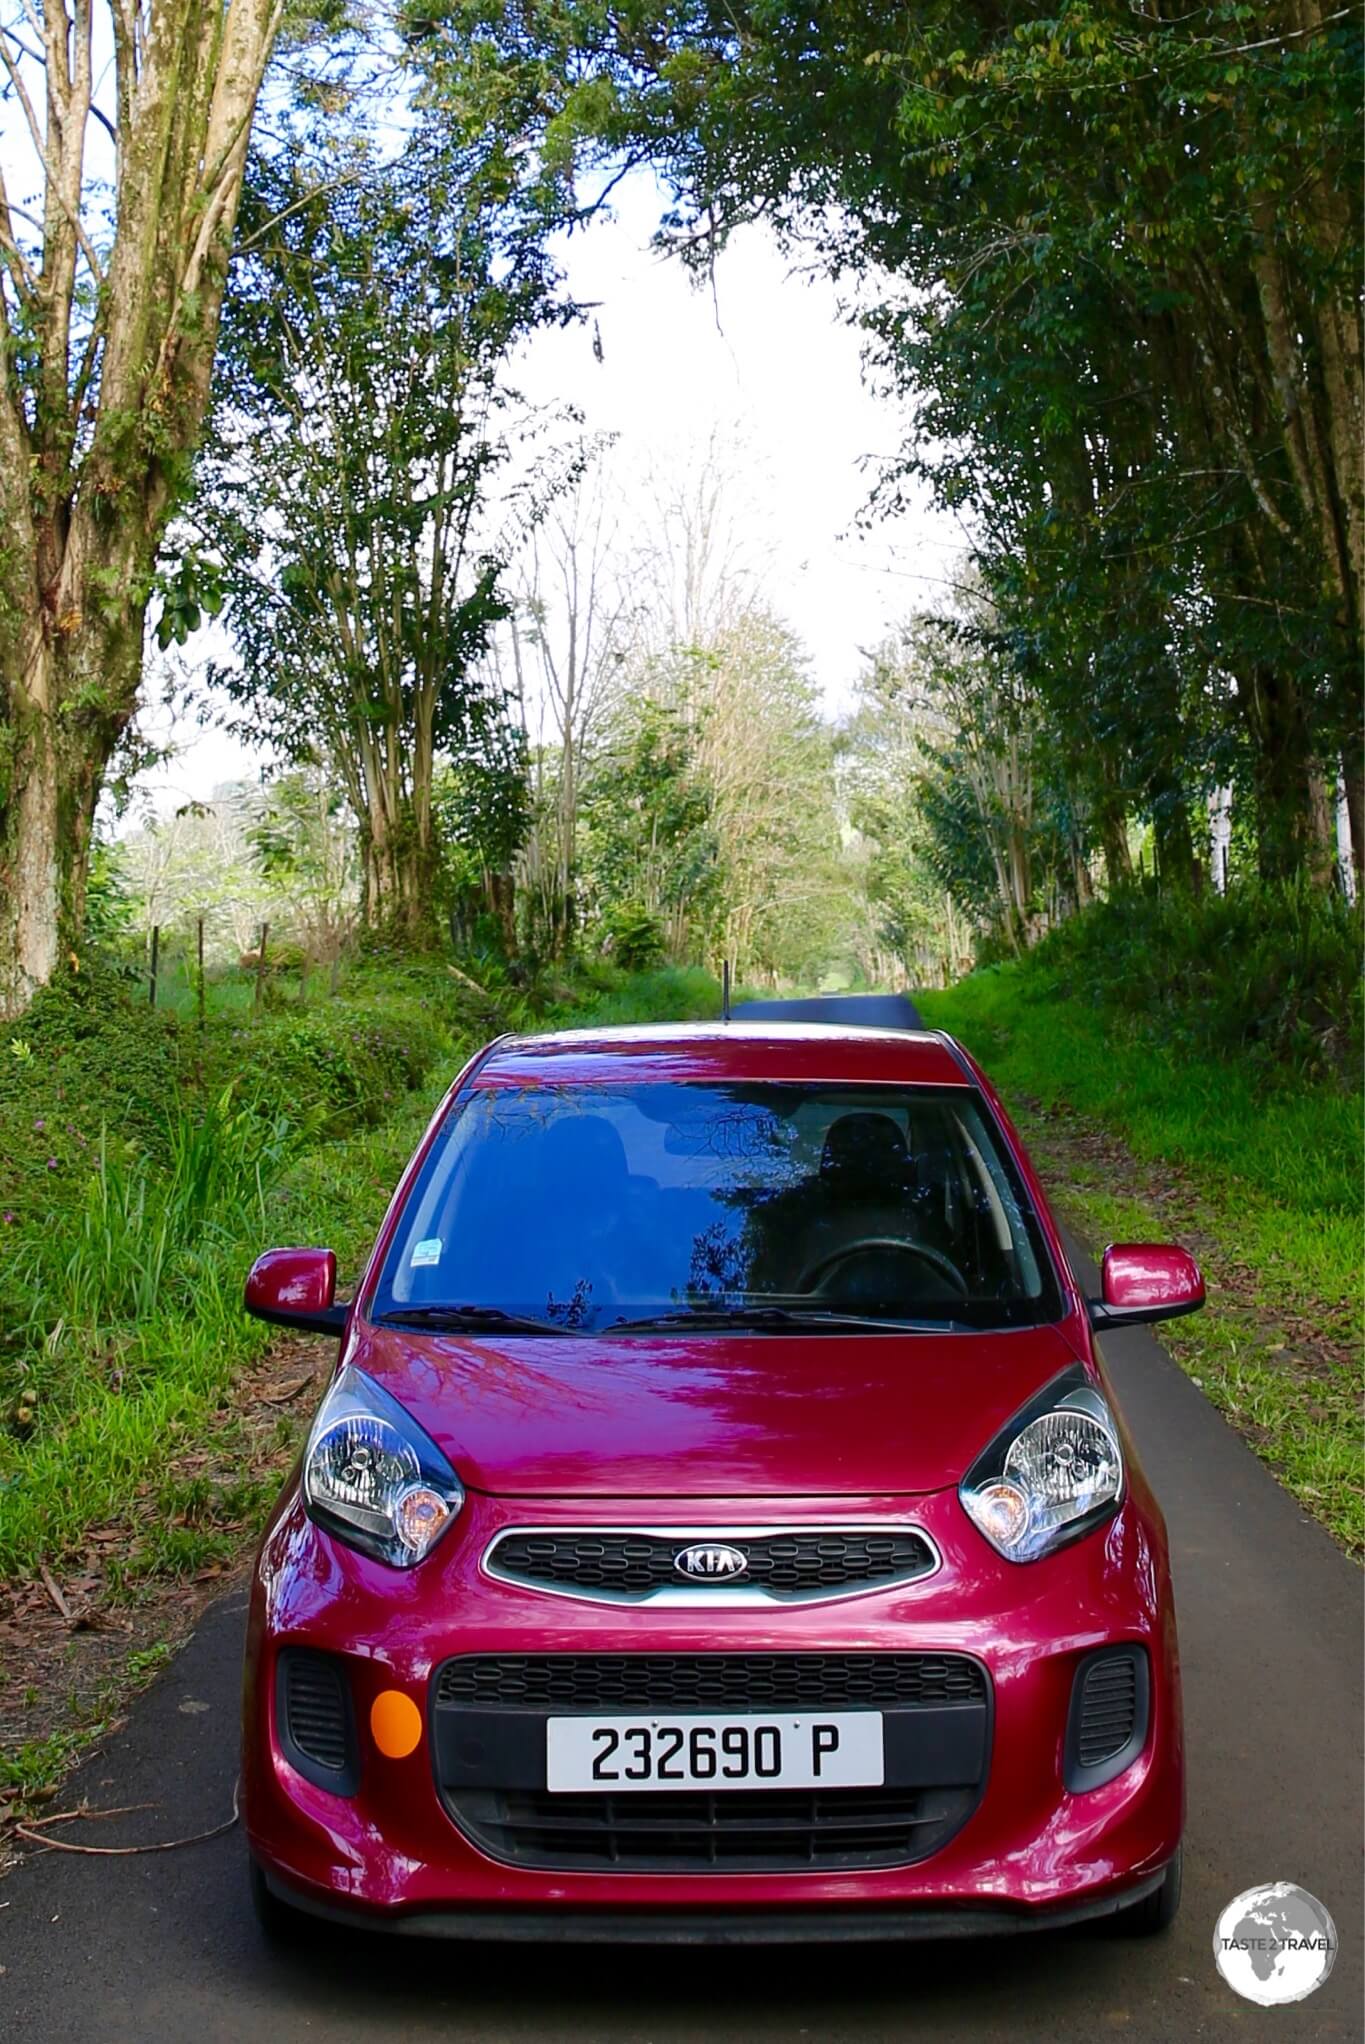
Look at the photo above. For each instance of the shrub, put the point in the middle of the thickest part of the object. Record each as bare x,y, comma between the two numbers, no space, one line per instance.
635,937
1269,973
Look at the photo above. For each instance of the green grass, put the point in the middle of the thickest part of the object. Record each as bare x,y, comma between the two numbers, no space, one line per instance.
1273,1163
121,1278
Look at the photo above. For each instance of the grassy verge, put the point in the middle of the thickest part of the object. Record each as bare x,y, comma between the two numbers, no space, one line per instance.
1258,1169
146,1164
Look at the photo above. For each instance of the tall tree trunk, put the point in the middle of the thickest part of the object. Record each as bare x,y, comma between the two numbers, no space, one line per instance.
1322,827
1111,824
72,692
95,427
1281,762
501,890
1174,841
1353,775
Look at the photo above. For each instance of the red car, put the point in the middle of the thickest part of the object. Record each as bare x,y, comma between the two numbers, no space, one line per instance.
720,1524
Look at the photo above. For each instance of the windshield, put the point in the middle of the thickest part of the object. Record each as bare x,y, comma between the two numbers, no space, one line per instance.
590,1207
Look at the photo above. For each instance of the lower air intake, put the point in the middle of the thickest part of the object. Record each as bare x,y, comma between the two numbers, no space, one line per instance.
1107,1728
314,1712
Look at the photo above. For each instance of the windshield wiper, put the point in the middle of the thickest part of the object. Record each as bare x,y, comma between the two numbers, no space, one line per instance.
781,1319
471,1320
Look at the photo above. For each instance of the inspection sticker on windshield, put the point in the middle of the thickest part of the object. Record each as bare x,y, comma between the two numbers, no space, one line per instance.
838,1749
425,1253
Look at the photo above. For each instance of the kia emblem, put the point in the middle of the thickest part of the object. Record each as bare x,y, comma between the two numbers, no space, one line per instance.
710,1564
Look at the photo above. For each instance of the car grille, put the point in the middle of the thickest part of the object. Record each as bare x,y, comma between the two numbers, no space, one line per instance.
741,1831
488,1713
626,1566
710,1681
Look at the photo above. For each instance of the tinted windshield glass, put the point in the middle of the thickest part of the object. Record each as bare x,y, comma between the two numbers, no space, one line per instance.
589,1206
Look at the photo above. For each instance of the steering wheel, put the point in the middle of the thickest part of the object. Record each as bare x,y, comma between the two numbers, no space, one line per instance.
816,1278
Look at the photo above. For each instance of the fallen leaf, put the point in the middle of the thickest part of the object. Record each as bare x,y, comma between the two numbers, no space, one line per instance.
287,1391
53,1591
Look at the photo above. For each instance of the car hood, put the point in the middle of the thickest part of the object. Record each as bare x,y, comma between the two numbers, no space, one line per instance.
715,1415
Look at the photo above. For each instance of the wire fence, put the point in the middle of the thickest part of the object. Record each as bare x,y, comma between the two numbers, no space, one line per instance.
186,974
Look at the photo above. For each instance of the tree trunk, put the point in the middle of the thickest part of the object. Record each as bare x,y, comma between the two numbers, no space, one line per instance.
1281,762
30,856
1322,827
502,899
72,692
1112,827
1174,841
94,437
1353,774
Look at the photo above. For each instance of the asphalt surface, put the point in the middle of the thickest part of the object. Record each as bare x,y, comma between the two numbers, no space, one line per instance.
165,1947
862,1011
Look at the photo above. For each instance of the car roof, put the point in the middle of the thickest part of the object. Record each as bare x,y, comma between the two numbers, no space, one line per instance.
814,1052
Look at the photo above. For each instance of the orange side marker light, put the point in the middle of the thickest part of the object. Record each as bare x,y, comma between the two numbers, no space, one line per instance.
395,1724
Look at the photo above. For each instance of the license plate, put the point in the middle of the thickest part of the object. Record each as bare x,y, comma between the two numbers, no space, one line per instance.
839,1749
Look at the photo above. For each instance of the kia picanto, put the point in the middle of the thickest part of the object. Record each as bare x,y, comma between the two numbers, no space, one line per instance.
720,1524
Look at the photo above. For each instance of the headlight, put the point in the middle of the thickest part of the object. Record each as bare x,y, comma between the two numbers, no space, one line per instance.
1053,1473
372,1477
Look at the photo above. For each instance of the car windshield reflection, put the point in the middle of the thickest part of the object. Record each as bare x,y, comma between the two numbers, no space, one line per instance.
677,1206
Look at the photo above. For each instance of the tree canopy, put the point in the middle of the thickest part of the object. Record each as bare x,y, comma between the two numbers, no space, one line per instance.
1111,257
358,487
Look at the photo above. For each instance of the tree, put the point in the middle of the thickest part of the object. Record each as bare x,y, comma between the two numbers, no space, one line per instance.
956,775
358,486
721,750
482,801
570,632
109,309
199,863
650,858
303,838
918,926
1112,255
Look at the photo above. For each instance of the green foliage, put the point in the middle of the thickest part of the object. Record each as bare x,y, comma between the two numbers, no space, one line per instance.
635,936
1266,975
338,1064
304,842
1251,1078
648,857
362,433
121,1326
1107,257
1221,1041
710,803
109,906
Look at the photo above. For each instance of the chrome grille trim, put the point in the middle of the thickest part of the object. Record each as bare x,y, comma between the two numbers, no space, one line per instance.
721,1595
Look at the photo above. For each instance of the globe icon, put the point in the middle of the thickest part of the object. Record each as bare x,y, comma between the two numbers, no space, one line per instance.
1275,1944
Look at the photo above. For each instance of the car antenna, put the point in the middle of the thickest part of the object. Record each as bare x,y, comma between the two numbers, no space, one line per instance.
725,990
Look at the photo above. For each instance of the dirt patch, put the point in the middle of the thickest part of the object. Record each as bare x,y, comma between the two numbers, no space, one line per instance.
80,1638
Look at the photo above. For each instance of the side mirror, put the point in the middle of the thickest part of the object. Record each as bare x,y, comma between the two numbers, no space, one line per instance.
1143,1281
296,1288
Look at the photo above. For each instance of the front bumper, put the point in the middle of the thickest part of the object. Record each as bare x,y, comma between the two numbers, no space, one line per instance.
860,1924
1031,1854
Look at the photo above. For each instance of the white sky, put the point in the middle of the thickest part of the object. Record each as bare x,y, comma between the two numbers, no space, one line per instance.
768,367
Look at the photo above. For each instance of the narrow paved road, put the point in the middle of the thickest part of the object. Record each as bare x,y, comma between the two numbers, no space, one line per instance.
863,1011
164,1947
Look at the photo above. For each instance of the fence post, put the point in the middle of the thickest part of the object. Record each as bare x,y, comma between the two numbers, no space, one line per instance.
260,967
201,975
156,949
